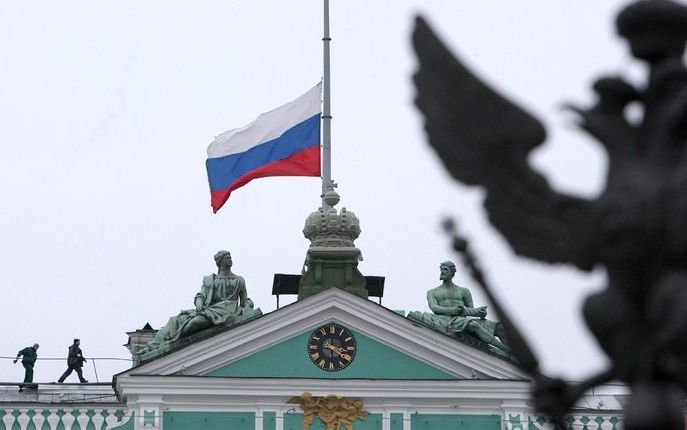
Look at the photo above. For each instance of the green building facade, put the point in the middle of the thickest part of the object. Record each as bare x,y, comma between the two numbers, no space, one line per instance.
404,375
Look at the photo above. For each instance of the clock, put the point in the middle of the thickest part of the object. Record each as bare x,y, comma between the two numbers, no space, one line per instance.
331,347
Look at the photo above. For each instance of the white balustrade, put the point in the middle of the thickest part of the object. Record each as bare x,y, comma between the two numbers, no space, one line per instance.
111,419
8,419
38,420
23,419
53,419
68,419
83,419
98,418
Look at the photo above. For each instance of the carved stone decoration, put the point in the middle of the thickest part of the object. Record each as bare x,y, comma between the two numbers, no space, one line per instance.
636,229
333,411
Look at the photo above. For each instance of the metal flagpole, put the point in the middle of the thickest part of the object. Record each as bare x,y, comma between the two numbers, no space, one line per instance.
327,183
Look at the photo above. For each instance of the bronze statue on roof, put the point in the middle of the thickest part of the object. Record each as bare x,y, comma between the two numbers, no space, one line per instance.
221,301
454,313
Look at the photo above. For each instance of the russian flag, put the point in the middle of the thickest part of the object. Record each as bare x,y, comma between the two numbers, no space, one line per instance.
281,142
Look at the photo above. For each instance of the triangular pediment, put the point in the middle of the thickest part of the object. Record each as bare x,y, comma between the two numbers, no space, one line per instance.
275,345
290,359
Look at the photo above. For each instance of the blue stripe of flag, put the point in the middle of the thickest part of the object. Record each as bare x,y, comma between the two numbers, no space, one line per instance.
224,171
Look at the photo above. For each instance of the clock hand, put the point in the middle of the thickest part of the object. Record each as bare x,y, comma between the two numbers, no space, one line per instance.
339,351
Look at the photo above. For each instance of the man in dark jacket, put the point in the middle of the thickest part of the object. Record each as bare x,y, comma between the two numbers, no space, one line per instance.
29,356
75,361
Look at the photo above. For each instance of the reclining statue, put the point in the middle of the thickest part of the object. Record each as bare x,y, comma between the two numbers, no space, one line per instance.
453,312
222,300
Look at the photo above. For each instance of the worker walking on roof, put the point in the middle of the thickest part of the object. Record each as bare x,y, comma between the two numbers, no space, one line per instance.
75,361
29,356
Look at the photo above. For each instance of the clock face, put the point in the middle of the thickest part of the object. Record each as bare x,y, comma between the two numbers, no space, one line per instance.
331,347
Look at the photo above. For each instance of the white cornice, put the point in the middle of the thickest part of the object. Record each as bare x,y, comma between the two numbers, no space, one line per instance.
362,315
197,390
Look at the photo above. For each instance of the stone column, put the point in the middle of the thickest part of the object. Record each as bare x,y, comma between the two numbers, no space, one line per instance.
148,410
515,415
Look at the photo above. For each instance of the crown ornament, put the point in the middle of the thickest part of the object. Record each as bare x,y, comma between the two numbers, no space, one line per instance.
327,227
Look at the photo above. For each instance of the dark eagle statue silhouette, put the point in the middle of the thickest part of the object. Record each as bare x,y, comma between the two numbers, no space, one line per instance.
636,229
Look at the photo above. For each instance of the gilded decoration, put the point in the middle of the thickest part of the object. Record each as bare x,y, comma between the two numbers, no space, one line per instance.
333,411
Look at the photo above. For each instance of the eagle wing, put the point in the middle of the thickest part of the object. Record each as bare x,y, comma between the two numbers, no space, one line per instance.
484,139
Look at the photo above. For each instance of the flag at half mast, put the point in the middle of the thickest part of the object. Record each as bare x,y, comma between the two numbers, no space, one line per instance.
282,142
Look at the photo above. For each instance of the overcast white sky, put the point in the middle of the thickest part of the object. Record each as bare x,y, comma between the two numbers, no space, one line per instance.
106,110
